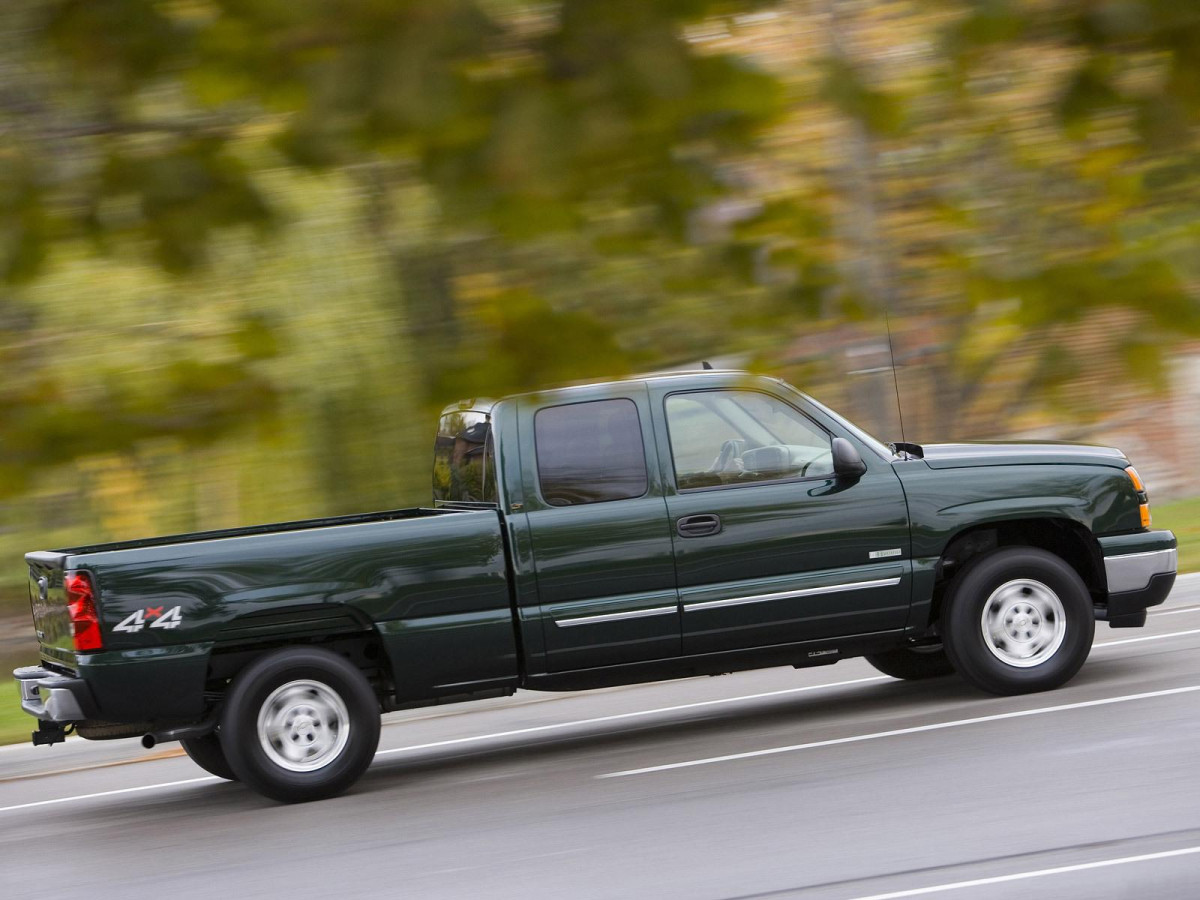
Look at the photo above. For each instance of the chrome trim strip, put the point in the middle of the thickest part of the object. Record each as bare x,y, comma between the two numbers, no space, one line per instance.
788,595
617,616
1133,571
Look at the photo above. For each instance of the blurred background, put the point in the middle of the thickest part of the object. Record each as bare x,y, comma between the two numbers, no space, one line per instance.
249,248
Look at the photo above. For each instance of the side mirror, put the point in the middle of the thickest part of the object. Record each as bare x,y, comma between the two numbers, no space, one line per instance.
847,461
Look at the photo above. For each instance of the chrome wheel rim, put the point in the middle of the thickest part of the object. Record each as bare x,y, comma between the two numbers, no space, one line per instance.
303,725
1023,623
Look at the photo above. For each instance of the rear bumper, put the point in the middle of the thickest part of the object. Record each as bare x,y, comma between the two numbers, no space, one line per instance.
1140,569
153,684
50,697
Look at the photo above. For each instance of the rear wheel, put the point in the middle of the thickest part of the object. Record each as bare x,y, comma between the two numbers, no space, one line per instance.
206,752
300,724
1018,620
913,663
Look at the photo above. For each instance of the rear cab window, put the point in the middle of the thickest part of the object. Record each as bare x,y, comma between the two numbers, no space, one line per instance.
590,452
464,460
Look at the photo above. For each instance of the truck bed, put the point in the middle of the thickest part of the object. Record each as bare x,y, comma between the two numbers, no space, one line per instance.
391,515
432,584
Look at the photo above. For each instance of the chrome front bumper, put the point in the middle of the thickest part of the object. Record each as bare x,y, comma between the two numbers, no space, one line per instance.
1134,571
1140,570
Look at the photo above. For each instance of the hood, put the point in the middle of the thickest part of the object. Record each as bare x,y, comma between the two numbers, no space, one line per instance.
958,456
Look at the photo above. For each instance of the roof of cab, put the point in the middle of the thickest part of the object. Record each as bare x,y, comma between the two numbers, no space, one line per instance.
714,377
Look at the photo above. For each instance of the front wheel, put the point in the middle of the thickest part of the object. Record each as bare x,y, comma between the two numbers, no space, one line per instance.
300,724
1018,620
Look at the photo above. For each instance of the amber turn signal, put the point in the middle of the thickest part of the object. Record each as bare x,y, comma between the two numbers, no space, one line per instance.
1140,487
1138,484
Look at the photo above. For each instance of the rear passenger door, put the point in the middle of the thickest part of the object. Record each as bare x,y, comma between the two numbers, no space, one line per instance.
770,546
601,539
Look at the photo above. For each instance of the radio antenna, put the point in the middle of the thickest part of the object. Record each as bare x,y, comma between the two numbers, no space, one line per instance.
895,378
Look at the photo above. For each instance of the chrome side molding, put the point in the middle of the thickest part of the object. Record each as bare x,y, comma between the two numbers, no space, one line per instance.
788,595
617,616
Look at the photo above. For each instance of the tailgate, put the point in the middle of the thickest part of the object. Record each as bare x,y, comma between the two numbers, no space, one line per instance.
48,600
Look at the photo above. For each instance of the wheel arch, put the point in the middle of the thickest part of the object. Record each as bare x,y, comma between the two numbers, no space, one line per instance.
341,629
1067,538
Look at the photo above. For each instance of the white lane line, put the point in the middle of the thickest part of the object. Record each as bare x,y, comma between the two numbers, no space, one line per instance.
483,737
1149,637
936,726
631,715
129,790
1038,873
1176,612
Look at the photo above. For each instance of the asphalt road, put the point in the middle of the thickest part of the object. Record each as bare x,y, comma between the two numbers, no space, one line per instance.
830,783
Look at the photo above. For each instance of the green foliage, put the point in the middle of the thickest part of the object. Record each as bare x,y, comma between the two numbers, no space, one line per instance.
15,724
846,88
518,116
522,123
184,191
1110,38
527,345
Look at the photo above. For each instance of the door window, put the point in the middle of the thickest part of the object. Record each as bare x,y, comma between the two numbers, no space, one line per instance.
590,452
741,437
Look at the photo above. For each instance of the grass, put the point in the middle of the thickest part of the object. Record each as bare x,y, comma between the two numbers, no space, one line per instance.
1183,518
15,724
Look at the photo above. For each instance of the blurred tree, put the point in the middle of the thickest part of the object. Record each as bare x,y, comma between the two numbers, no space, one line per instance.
1088,115
513,122
989,177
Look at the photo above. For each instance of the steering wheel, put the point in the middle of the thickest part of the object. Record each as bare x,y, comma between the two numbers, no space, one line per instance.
730,450
804,468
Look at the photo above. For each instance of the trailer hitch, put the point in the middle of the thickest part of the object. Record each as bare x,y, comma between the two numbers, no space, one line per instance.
49,733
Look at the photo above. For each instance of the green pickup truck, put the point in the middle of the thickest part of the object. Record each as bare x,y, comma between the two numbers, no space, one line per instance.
659,527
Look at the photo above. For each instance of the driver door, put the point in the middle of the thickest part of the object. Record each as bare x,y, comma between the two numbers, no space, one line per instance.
770,546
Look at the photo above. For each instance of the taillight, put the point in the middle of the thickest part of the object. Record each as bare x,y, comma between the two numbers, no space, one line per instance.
81,601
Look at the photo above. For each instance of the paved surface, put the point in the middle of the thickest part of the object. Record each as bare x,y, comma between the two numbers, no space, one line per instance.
830,783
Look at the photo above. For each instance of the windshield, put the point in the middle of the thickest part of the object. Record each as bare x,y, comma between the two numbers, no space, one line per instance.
874,443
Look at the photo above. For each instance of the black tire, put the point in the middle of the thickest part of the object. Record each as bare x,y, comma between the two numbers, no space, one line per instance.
320,725
206,752
912,663
1039,621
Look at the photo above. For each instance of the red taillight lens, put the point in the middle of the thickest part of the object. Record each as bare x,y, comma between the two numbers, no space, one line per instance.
81,601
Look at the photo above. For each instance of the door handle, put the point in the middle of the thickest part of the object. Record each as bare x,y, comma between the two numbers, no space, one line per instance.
698,526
